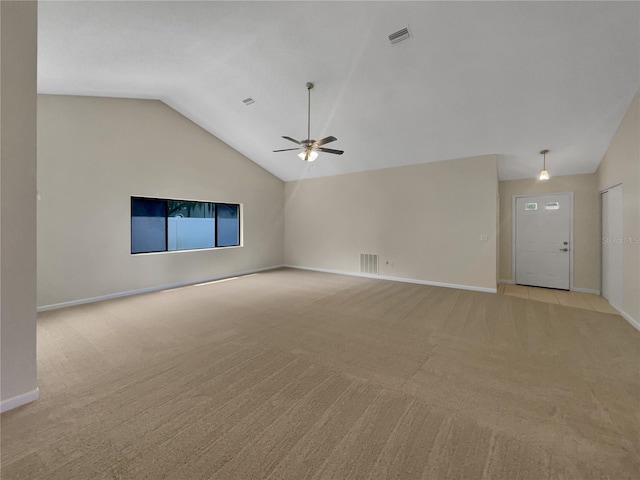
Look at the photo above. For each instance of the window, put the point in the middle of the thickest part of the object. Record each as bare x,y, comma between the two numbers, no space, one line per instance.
162,225
228,232
190,225
148,225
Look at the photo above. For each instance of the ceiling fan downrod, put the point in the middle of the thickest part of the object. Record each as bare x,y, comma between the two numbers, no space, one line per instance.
309,87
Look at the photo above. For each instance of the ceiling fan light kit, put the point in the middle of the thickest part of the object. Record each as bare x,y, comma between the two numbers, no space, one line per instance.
308,155
309,147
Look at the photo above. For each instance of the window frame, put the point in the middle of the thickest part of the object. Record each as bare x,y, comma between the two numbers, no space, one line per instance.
166,201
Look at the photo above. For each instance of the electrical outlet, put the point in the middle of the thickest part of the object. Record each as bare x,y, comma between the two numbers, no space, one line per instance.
484,238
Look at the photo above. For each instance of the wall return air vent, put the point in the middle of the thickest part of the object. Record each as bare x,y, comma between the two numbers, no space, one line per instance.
369,263
399,36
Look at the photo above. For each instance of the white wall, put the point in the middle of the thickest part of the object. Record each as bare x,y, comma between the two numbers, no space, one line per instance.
95,153
18,54
425,220
621,164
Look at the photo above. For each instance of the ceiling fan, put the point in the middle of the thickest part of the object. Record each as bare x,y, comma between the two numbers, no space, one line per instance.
310,148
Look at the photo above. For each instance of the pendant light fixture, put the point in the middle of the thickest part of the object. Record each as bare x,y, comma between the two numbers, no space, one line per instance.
544,174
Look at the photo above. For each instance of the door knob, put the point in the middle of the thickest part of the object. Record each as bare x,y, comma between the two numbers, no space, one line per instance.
564,249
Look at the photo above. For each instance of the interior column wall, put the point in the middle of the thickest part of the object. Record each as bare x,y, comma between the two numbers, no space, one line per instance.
18,60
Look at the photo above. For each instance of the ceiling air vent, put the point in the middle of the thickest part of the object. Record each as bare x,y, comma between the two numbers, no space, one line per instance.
399,36
248,101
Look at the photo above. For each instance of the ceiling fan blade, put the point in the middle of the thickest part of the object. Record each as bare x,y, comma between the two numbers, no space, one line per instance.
292,140
324,140
330,150
287,149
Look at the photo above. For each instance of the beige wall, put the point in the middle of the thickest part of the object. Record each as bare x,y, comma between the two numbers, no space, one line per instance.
425,220
94,153
621,164
18,54
586,223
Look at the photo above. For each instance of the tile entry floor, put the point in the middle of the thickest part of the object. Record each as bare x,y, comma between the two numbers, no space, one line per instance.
586,301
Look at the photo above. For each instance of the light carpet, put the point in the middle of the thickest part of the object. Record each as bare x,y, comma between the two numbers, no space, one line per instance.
295,375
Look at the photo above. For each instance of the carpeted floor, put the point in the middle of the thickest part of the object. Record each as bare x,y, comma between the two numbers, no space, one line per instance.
292,375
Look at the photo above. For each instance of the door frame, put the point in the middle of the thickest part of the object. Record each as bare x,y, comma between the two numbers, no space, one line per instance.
600,192
513,231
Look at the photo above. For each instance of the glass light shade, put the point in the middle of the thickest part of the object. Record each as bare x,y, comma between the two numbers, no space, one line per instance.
312,156
544,175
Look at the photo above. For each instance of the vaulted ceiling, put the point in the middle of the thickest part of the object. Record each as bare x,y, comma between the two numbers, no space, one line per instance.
475,78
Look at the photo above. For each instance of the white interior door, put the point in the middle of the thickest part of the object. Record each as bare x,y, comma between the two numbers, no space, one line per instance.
612,243
543,240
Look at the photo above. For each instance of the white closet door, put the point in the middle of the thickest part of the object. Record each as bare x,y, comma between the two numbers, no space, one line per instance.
612,245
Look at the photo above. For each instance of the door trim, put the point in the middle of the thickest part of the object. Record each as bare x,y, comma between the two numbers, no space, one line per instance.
513,231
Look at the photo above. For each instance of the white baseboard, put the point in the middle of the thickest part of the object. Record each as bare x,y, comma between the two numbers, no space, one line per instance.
505,281
634,323
156,288
585,290
398,279
19,400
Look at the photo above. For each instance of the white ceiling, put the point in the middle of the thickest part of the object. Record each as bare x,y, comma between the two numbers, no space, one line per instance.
505,78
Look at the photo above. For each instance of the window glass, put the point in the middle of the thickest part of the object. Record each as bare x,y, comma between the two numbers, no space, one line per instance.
228,225
531,206
161,225
190,225
148,225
